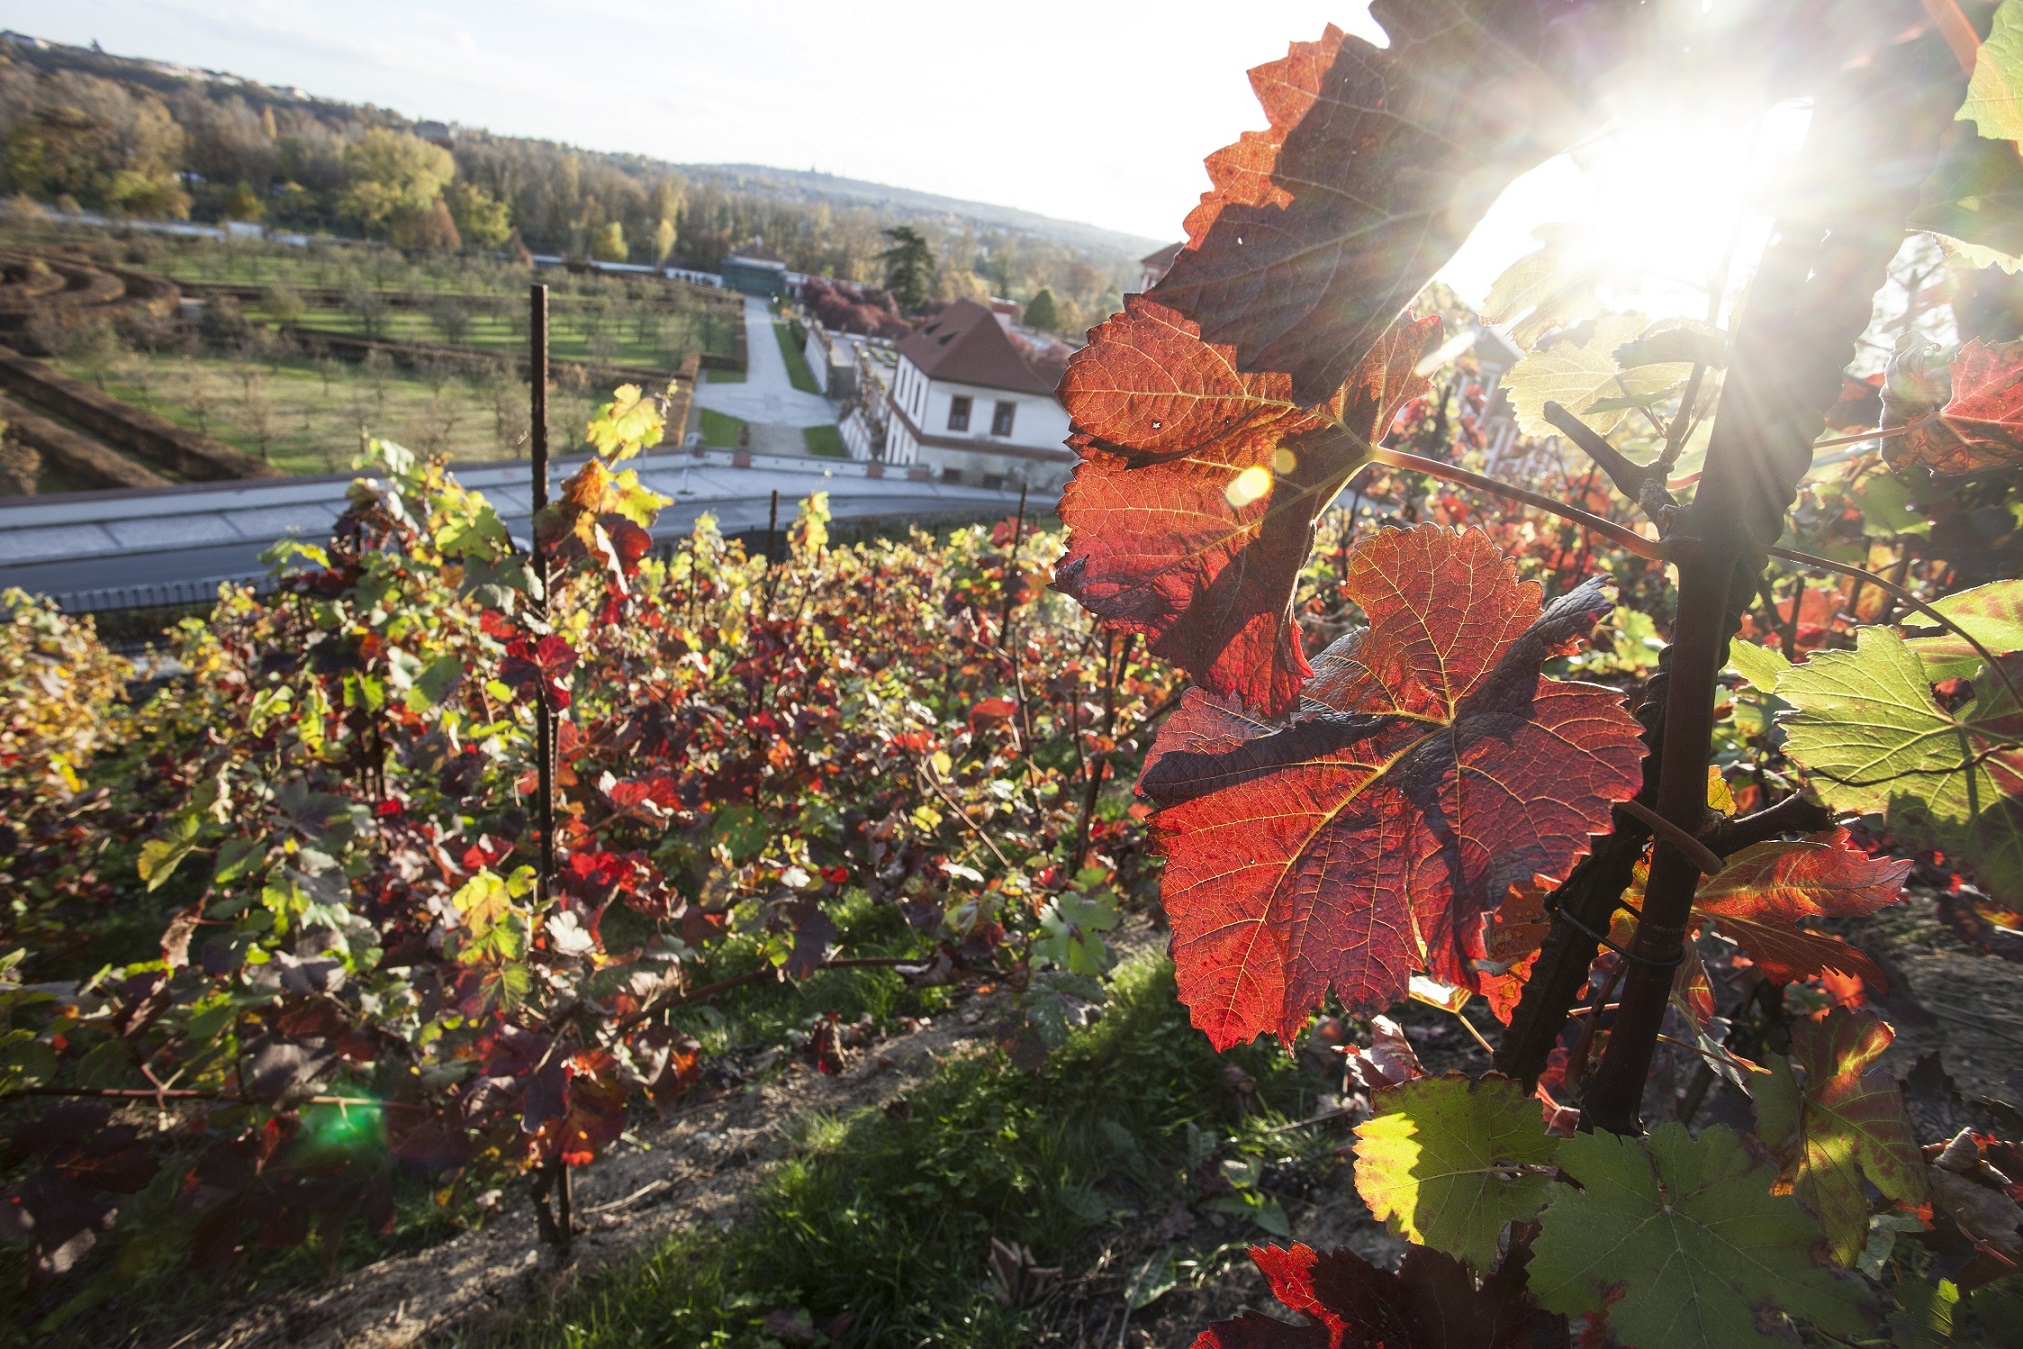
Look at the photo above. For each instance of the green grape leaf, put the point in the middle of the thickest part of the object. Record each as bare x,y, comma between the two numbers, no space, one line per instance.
742,830
1687,1231
1995,94
236,858
484,901
1884,501
1552,286
159,857
1871,738
435,682
1762,666
1676,339
626,425
1993,613
1448,1162
1582,373
1844,1126
1068,928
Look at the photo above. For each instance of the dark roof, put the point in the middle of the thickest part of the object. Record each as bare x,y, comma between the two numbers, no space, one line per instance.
964,343
1163,258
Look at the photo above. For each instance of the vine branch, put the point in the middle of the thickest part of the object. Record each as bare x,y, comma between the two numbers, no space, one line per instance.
1608,529
1902,596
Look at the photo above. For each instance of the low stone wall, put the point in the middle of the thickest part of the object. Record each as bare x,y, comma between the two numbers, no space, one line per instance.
125,427
64,289
78,456
334,297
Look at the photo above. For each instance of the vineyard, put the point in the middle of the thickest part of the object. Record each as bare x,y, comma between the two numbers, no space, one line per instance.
1414,854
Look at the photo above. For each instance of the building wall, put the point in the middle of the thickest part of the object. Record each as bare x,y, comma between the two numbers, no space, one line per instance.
1039,428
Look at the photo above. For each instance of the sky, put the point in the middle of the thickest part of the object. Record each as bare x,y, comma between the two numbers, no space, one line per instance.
1092,110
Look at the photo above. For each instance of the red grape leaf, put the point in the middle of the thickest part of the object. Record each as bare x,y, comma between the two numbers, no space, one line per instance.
1192,510
1846,1123
545,666
1430,769
1378,163
1430,1303
1763,892
1981,425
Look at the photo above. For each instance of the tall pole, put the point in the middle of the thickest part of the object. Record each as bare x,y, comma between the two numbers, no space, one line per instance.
560,1222
544,713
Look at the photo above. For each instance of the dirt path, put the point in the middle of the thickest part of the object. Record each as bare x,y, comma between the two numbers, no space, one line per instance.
697,1165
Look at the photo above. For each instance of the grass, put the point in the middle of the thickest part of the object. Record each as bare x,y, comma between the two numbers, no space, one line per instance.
725,376
887,1216
720,429
798,373
568,338
826,441
311,425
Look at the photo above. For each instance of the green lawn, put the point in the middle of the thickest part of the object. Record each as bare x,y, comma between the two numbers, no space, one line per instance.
826,441
306,419
569,338
797,364
887,1215
720,429
725,376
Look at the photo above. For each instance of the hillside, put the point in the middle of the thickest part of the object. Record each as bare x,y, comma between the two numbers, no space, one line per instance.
153,138
804,185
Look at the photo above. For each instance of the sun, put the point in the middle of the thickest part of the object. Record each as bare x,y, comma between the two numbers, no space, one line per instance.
1666,204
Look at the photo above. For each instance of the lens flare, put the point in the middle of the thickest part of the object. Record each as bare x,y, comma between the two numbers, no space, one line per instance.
1248,486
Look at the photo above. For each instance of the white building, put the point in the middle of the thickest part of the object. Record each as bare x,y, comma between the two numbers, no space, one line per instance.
967,404
1153,266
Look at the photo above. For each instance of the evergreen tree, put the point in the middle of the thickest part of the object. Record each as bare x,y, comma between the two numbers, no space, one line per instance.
909,266
1042,313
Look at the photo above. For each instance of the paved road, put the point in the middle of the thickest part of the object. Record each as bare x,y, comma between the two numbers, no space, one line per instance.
198,534
766,397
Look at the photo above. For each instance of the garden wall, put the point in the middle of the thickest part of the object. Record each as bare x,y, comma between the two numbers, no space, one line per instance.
78,456
125,427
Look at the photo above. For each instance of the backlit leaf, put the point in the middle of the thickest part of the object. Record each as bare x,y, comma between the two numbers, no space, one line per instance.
1979,427
1377,164
1992,613
1430,769
1871,738
1192,510
1580,370
159,857
1688,1233
1447,1163
1549,287
1765,890
1995,94
1430,1303
1845,1129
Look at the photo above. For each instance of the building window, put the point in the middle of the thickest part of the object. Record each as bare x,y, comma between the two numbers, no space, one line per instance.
993,482
951,475
958,413
1001,420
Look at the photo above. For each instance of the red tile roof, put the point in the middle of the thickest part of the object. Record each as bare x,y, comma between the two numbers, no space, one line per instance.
965,345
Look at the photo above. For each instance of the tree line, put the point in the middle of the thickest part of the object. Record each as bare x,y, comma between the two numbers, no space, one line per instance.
83,129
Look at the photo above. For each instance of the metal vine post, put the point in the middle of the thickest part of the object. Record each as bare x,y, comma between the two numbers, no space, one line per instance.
556,1225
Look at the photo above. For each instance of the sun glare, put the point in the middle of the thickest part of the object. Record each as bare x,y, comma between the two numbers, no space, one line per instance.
1659,205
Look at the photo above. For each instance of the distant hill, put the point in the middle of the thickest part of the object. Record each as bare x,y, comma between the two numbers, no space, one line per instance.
807,185
178,83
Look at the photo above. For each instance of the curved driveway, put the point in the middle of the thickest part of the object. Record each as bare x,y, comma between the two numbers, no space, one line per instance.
766,397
